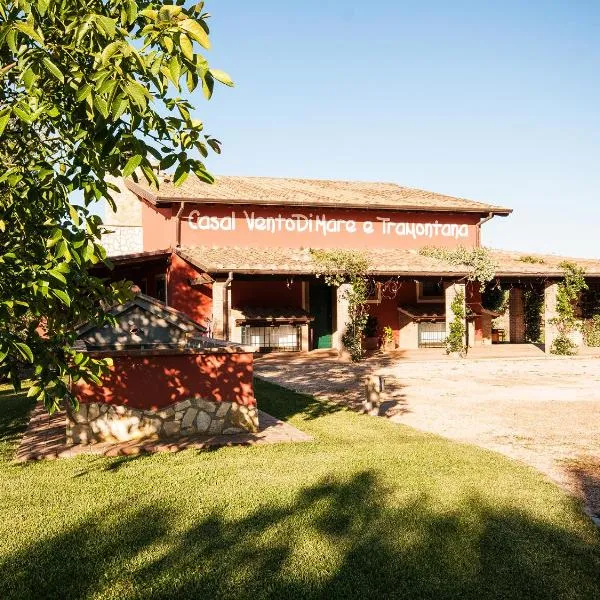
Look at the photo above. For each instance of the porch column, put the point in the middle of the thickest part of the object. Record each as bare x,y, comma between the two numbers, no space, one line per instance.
516,317
219,309
341,315
550,313
304,337
451,289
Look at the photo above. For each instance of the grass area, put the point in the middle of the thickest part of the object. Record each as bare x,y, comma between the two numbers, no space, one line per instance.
368,510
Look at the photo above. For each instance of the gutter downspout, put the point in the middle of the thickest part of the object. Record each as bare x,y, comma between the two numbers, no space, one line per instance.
481,222
178,224
226,307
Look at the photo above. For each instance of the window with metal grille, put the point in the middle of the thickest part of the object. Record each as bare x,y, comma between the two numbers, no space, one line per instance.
271,338
432,335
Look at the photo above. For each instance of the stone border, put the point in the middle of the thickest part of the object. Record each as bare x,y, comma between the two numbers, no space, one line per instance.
45,439
100,422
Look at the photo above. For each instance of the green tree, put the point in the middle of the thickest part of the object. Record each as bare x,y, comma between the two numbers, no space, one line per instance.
88,89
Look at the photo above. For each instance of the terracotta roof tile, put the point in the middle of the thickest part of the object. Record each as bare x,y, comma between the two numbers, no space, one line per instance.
298,261
307,192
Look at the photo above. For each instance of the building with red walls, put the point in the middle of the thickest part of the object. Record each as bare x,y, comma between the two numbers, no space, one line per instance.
237,258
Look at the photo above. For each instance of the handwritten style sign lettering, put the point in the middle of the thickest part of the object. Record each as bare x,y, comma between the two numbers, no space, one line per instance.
325,226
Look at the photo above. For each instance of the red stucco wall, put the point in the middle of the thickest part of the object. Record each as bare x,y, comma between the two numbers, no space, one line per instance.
156,381
197,228
195,302
259,293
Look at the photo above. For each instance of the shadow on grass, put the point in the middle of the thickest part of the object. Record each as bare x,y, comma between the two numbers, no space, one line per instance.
341,538
584,474
14,412
283,403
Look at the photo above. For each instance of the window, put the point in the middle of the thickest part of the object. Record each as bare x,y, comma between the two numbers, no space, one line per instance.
268,338
430,291
143,285
432,335
161,288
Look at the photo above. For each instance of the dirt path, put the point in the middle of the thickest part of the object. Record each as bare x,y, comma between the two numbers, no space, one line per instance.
543,412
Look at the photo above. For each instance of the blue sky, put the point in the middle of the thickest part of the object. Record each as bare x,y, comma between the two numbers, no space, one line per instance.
494,101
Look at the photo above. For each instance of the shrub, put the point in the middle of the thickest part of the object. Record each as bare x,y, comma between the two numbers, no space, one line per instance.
563,345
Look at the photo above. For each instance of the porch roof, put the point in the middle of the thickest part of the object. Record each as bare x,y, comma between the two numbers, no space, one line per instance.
288,314
299,261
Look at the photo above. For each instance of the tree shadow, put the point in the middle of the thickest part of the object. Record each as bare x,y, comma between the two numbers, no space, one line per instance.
584,477
284,403
340,538
13,418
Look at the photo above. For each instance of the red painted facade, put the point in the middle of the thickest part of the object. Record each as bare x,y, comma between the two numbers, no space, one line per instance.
256,226
156,381
247,225
195,301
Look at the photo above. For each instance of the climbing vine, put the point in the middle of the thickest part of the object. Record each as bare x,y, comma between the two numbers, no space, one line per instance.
481,267
495,298
346,266
568,294
533,305
455,340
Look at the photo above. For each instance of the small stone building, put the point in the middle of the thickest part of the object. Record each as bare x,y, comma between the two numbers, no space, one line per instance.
167,379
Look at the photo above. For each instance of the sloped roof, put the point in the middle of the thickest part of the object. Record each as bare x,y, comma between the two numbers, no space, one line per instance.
271,315
158,309
306,192
299,261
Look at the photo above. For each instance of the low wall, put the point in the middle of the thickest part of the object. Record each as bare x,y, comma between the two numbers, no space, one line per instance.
166,394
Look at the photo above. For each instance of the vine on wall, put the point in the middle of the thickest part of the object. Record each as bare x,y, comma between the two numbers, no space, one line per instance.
590,312
346,266
568,294
533,307
480,265
455,340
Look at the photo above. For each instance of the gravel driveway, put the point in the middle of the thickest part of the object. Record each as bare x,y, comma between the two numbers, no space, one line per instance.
545,412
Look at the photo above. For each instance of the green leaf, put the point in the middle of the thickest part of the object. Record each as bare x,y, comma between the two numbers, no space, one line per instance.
2,226
196,31
29,31
83,92
62,296
132,11
24,350
132,164
181,174
43,6
208,83
186,46
58,276
107,25
109,51
53,69
34,390
174,69
137,93
4,117
221,76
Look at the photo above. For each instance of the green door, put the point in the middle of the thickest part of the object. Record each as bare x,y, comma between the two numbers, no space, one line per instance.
321,307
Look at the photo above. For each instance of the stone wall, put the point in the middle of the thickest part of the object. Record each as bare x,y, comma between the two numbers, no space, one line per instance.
123,240
102,422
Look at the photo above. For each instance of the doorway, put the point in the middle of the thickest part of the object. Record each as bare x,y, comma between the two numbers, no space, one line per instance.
321,308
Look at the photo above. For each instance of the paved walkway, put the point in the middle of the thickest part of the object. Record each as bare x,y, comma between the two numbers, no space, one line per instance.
45,439
545,412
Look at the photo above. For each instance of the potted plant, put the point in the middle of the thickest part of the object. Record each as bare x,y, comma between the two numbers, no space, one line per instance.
387,342
371,341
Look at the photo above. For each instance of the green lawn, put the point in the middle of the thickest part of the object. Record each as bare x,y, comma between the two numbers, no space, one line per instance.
367,510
